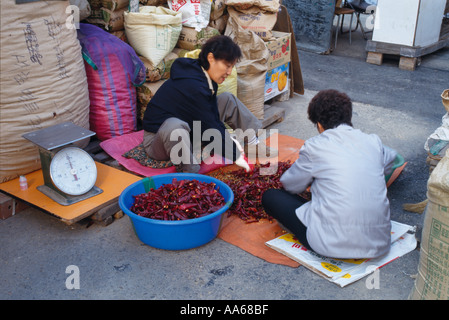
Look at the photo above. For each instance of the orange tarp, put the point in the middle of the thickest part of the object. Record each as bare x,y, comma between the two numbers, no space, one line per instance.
251,237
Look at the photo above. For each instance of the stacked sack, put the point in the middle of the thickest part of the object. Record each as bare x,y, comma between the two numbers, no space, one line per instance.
219,15
249,23
259,16
438,142
432,282
160,31
42,80
109,15
185,29
153,32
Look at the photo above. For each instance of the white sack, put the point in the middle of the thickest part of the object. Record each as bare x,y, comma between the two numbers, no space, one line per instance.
195,13
153,31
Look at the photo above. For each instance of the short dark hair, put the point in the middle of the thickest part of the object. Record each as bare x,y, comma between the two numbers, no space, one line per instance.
330,108
222,47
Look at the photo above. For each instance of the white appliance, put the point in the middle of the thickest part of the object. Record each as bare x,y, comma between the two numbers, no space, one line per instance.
415,23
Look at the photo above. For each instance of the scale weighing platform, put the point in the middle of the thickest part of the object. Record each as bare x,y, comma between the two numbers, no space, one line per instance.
69,172
70,185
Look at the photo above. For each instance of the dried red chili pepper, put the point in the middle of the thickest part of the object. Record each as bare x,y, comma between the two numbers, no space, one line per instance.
248,188
180,200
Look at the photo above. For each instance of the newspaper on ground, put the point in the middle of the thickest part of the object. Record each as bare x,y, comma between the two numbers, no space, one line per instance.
346,271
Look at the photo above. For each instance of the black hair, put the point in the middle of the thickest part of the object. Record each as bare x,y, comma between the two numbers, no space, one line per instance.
222,47
330,108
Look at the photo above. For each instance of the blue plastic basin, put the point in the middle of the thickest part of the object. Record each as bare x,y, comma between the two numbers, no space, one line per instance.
180,234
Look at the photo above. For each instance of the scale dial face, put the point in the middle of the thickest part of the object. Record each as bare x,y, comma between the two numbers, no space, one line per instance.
73,171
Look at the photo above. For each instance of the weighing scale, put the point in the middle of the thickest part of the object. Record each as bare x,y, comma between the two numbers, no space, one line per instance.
69,172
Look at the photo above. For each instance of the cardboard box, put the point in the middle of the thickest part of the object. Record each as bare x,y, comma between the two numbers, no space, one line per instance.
277,81
279,49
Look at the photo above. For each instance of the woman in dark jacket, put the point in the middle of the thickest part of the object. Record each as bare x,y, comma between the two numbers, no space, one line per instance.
187,105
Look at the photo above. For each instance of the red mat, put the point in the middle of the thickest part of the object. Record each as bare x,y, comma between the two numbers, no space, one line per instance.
117,146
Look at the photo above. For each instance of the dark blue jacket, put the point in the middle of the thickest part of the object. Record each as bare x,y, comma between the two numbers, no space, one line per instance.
186,96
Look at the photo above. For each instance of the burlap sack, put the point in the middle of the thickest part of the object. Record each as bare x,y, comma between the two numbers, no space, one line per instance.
144,94
114,4
42,82
218,8
162,70
153,31
252,67
153,2
438,184
191,39
265,5
84,8
108,20
120,34
445,98
259,21
220,23
95,4
432,282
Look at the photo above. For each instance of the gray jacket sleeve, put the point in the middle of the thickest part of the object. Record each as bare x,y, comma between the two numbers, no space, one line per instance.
299,176
389,157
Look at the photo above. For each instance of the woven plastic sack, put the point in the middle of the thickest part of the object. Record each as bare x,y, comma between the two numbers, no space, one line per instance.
113,71
432,282
153,31
195,13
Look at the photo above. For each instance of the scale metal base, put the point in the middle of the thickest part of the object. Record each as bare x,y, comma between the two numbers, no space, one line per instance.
67,200
50,140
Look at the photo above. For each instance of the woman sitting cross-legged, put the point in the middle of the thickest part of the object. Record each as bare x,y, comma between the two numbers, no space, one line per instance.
348,215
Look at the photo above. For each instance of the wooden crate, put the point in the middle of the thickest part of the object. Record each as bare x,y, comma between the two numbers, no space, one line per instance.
101,207
409,57
10,206
272,114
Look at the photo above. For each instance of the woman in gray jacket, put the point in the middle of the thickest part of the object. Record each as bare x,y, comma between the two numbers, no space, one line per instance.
348,215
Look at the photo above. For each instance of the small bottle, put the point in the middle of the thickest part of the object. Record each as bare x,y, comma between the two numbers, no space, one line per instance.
23,183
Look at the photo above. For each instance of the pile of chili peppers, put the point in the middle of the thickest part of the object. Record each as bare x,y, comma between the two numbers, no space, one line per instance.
248,188
180,200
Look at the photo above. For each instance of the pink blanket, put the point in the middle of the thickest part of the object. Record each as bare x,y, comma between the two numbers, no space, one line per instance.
117,146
